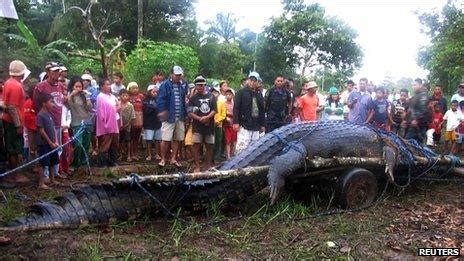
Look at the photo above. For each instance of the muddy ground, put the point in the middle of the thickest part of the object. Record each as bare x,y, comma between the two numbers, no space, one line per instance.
427,214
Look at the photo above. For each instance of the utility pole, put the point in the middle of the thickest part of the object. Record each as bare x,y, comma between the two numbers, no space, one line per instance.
256,45
140,20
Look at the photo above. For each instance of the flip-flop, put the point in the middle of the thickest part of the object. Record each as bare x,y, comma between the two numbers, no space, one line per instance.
177,164
161,163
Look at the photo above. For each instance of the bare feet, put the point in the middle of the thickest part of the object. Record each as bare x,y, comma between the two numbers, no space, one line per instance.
196,170
129,159
148,158
43,186
176,163
162,163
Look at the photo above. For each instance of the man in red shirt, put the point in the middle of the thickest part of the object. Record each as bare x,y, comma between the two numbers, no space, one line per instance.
13,97
309,102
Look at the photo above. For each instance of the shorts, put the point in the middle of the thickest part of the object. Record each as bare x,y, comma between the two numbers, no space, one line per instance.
135,134
50,160
13,141
172,131
459,138
189,136
245,137
125,135
31,135
200,138
450,135
152,134
230,135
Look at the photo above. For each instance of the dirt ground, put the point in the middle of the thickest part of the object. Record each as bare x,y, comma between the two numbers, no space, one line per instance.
427,214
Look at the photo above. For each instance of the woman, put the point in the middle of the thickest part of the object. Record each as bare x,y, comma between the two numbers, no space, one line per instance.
333,109
81,107
107,125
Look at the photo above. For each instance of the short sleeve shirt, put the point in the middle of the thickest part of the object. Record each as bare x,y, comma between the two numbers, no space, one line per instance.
202,105
127,114
45,121
13,94
308,105
380,110
56,91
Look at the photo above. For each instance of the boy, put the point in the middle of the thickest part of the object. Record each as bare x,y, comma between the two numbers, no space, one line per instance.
151,122
453,118
434,131
127,116
46,139
117,85
136,99
230,135
219,118
380,113
460,129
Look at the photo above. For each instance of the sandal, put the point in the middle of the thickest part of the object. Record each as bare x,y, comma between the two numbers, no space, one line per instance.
161,163
148,158
175,163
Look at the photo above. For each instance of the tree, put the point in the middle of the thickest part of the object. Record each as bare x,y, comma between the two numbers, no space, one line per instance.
272,60
444,57
248,43
327,78
309,38
223,27
149,57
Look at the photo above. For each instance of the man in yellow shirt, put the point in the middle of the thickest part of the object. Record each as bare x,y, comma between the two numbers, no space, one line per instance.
219,117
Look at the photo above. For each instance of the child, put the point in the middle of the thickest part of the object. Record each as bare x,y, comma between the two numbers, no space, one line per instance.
46,139
460,129
219,118
380,113
435,126
117,85
30,126
453,118
136,99
230,135
127,117
66,155
151,122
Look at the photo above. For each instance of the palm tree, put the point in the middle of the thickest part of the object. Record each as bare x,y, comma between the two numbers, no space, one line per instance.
223,27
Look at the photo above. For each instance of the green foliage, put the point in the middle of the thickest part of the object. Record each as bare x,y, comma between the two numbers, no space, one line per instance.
327,78
223,27
444,56
76,66
149,56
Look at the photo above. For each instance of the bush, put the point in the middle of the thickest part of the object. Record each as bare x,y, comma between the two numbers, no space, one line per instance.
149,57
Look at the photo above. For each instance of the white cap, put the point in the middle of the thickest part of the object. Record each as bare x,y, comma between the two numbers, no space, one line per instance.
254,74
177,70
151,87
87,77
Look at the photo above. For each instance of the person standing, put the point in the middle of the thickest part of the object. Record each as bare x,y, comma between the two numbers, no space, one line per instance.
380,113
344,98
56,89
459,96
117,84
201,109
419,113
437,97
136,99
359,103
219,118
453,118
13,118
249,119
107,125
333,109
127,113
230,135
309,102
172,113
277,105
151,123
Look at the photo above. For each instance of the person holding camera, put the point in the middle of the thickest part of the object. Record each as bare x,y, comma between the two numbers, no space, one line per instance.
359,103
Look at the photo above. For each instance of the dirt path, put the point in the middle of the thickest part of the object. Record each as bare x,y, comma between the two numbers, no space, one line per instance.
425,215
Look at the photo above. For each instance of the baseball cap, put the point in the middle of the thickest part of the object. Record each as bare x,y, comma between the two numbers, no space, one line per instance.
52,66
312,85
63,68
216,88
199,80
177,70
17,68
255,75
151,87
87,77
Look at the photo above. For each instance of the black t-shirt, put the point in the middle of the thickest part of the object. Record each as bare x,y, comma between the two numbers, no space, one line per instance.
202,104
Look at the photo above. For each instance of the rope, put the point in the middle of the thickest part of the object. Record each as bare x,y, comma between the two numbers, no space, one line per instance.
72,139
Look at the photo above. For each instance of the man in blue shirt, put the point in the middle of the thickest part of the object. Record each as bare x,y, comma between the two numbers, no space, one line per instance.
171,105
359,103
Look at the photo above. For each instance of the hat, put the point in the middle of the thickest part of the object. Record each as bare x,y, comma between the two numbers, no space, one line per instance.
191,85
52,66
312,85
333,90
132,85
63,68
230,90
177,70
87,77
151,87
254,74
199,80
17,68
216,88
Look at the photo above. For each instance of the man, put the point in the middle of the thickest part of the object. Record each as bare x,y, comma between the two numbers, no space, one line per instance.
437,97
419,112
359,103
460,95
248,114
171,104
344,98
56,89
277,105
13,98
399,109
201,109
309,103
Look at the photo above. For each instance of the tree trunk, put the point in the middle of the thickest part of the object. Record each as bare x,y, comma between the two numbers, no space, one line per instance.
104,62
140,20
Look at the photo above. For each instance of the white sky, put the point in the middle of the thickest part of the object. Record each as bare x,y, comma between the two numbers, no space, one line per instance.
389,31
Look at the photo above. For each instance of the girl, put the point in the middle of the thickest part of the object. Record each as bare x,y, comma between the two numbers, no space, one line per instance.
136,98
80,106
151,122
333,109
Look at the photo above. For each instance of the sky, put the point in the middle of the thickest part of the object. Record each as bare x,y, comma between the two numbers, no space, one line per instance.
388,30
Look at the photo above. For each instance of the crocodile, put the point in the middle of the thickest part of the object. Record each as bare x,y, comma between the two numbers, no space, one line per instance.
285,150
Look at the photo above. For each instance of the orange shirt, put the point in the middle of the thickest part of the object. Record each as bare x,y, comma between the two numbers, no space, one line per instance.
13,94
308,106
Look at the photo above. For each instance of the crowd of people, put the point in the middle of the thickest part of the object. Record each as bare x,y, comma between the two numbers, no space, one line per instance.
175,120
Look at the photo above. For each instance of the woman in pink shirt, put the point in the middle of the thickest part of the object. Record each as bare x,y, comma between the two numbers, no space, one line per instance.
107,125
